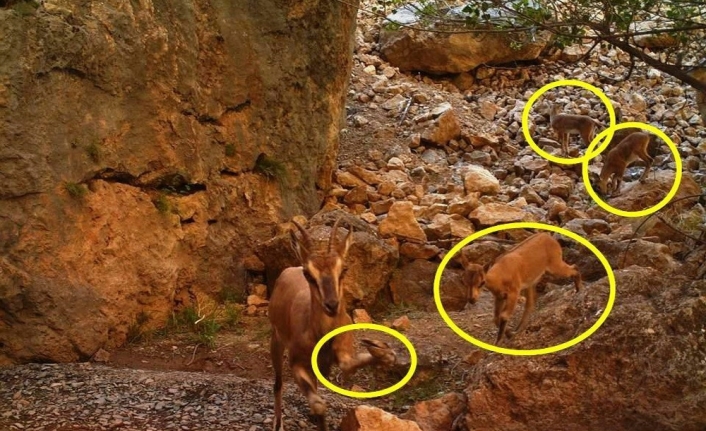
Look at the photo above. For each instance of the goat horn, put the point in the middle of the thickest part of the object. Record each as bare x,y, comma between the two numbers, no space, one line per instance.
305,235
333,234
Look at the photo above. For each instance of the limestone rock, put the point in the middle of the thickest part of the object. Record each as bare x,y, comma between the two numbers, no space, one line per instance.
359,315
488,109
463,206
587,227
370,177
381,207
461,227
413,284
137,99
572,53
395,164
438,53
395,104
366,418
357,195
442,129
257,301
479,179
635,196
654,41
418,251
532,164
401,324
560,185
439,413
439,228
400,222
491,214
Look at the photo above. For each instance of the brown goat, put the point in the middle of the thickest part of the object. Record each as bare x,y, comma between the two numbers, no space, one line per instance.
631,148
518,270
307,303
567,124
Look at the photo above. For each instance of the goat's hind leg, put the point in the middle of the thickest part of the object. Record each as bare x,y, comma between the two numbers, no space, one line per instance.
648,164
277,355
504,313
560,268
530,294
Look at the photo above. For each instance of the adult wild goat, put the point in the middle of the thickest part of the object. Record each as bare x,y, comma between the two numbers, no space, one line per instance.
307,302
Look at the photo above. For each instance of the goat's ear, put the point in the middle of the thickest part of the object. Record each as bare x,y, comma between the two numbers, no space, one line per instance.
299,249
342,247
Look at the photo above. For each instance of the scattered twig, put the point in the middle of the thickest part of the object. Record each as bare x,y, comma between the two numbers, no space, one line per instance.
404,112
193,355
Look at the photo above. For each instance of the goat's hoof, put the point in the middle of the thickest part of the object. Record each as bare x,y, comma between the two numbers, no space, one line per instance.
318,407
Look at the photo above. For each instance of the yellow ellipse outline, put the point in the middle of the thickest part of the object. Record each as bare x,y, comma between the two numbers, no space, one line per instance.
647,211
374,327
520,352
574,83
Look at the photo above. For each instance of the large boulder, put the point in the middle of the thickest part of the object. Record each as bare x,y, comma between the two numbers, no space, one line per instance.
445,53
635,196
402,223
412,284
438,414
640,370
142,158
367,418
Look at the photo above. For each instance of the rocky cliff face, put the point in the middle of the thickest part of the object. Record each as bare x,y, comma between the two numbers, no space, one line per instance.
146,147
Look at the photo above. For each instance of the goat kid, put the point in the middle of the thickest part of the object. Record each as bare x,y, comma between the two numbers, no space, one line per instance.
518,271
630,149
307,302
567,124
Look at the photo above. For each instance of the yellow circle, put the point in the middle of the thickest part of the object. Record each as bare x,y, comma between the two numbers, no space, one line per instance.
374,327
519,352
566,82
677,175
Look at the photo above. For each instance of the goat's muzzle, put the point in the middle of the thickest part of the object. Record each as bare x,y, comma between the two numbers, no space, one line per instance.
331,308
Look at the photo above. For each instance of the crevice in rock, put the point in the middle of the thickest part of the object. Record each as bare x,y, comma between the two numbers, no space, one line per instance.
168,183
201,118
238,108
177,184
229,173
112,176
187,221
212,221
207,119
67,70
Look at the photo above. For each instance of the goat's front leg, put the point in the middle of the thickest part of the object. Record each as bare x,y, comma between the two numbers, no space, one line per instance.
350,362
306,380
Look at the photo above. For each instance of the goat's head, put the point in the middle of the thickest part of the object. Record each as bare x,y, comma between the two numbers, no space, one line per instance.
473,278
323,270
598,184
